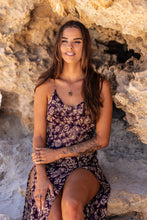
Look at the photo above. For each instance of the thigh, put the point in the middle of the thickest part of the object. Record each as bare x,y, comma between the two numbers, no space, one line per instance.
55,211
81,185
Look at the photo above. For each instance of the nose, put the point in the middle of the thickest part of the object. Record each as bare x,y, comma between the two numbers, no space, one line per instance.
69,45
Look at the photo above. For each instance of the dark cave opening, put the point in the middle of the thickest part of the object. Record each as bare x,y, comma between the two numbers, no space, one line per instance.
118,113
121,51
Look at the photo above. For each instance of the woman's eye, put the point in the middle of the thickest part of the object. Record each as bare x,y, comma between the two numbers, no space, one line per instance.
77,42
64,41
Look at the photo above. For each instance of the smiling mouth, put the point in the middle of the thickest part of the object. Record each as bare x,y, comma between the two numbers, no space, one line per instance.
70,54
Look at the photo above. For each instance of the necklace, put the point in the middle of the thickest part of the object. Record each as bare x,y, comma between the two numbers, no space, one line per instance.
70,93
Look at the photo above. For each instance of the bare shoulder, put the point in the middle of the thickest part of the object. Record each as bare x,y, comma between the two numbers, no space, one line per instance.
106,84
106,89
45,89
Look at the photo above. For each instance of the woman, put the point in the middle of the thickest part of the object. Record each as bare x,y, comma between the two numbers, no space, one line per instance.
72,120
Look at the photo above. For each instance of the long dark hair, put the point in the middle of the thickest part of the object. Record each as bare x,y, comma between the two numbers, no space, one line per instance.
93,81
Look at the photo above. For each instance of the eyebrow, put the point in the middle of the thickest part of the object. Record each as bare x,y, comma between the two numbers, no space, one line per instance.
78,38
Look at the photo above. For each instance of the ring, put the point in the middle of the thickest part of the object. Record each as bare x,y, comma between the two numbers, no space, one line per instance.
36,196
37,153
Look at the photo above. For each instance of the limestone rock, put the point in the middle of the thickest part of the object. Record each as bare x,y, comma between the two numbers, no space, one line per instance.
124,164
15,160
18,12
127,16
133,100
4,217
26,47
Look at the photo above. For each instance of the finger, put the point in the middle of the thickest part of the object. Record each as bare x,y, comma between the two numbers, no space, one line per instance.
38,202
42,202
37,154
37,158
33,155
35,151
39,162
51,190
38,149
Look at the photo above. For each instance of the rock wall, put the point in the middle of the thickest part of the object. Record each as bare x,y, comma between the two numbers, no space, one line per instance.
118,30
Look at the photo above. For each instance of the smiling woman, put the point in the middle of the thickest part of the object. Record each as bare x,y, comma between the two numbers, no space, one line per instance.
72,120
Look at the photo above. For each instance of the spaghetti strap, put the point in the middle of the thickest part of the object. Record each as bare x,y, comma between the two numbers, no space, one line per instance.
54,85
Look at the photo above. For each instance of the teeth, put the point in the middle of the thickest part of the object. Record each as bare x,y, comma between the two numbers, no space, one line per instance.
70,54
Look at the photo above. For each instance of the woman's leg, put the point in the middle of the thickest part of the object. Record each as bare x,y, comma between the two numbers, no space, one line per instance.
80,187
55,212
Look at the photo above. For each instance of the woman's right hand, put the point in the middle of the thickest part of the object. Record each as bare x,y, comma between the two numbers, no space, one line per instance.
42,185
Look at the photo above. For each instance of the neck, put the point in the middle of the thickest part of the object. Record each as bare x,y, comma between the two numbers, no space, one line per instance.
72,73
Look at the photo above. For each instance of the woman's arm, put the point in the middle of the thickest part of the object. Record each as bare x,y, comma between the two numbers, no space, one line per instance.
39,137
101,140
103,128
39,140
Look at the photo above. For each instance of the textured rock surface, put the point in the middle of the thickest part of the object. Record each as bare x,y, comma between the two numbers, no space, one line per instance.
4,217
15,162
119,44
126,16
132,99
124,162
118,30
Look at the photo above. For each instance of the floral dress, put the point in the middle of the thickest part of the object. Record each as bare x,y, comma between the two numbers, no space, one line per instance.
67,125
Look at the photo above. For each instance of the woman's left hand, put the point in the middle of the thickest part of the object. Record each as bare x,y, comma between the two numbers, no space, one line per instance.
44,155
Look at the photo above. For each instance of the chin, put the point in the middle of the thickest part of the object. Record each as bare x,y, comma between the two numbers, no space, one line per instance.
71,60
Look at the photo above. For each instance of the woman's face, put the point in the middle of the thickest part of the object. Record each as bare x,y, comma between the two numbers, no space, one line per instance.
71,45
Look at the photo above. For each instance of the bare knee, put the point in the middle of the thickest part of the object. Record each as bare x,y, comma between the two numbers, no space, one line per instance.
55,211
71,208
